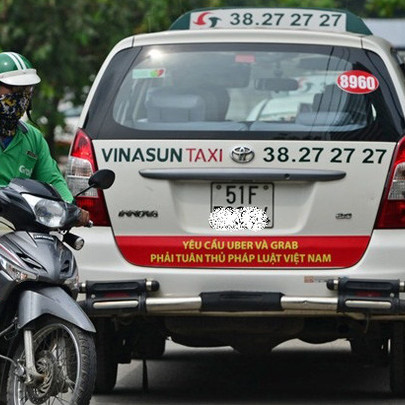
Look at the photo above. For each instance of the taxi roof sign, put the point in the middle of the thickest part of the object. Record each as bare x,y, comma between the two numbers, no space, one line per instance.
269,18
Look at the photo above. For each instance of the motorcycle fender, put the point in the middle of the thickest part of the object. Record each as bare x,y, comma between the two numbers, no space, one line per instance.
53,301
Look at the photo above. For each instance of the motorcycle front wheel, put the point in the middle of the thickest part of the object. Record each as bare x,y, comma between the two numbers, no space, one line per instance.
65,355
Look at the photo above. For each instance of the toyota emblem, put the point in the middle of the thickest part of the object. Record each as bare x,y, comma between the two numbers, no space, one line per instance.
242,154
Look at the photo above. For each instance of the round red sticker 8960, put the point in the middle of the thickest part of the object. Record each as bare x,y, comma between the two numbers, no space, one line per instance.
357,82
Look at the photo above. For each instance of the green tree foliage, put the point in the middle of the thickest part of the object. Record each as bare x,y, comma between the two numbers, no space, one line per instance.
387,8
363,8
67,40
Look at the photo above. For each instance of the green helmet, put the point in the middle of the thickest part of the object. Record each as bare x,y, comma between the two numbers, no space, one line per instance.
16,70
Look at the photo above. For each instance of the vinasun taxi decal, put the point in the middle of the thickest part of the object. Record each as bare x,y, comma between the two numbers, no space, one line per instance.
331,153
243,252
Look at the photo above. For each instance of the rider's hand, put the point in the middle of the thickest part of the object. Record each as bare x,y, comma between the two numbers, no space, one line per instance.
84,218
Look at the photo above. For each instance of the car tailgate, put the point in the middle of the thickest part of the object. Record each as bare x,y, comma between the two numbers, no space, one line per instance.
321,199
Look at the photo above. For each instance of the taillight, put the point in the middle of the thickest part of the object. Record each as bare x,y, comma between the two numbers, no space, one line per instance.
392,208
81,165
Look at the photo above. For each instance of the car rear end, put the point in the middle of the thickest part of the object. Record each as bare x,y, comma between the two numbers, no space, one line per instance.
259,191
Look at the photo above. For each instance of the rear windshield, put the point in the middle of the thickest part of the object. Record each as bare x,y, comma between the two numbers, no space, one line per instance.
271,91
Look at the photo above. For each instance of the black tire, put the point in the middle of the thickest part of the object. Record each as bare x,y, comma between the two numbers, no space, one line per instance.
397,359
107,364
68,355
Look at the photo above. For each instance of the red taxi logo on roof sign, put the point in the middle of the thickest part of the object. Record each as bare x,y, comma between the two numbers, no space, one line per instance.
357,82
206,20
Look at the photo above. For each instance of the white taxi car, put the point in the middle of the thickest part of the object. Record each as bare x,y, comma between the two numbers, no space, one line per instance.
294,114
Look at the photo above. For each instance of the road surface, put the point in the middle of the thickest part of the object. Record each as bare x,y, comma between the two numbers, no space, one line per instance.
295,373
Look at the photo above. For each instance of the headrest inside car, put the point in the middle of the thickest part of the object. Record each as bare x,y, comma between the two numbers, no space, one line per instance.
171,105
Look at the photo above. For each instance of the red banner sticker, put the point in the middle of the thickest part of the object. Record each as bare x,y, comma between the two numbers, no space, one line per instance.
243,252
357,82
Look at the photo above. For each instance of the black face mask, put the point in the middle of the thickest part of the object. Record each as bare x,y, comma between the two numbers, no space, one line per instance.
12,108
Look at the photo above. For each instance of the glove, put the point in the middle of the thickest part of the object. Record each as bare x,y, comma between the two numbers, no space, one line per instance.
84,218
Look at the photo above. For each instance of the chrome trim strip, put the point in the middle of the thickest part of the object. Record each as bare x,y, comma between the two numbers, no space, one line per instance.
298,305
309,303
155,305
124,304
243,174
360,304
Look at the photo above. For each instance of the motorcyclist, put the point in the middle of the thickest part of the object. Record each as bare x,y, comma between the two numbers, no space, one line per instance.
24,152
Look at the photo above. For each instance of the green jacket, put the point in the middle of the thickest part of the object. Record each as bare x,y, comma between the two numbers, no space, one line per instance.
28,156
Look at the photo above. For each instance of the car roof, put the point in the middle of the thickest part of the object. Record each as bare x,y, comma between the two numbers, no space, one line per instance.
300,36
252,35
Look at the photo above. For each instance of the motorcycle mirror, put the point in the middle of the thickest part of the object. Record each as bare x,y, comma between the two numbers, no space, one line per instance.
102,179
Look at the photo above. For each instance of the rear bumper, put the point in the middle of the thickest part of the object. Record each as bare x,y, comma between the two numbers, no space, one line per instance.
358,298
303,292
100,259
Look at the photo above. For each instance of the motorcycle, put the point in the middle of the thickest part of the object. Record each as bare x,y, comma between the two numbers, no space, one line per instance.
47,351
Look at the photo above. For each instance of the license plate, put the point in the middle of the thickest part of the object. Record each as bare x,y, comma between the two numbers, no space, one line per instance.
239,195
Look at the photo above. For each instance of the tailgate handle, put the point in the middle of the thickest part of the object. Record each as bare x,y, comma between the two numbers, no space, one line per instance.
226,174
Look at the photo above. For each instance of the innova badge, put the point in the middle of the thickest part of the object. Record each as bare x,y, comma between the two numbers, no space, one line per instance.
242,154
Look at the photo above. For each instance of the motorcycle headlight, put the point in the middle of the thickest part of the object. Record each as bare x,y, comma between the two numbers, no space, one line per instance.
50,213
